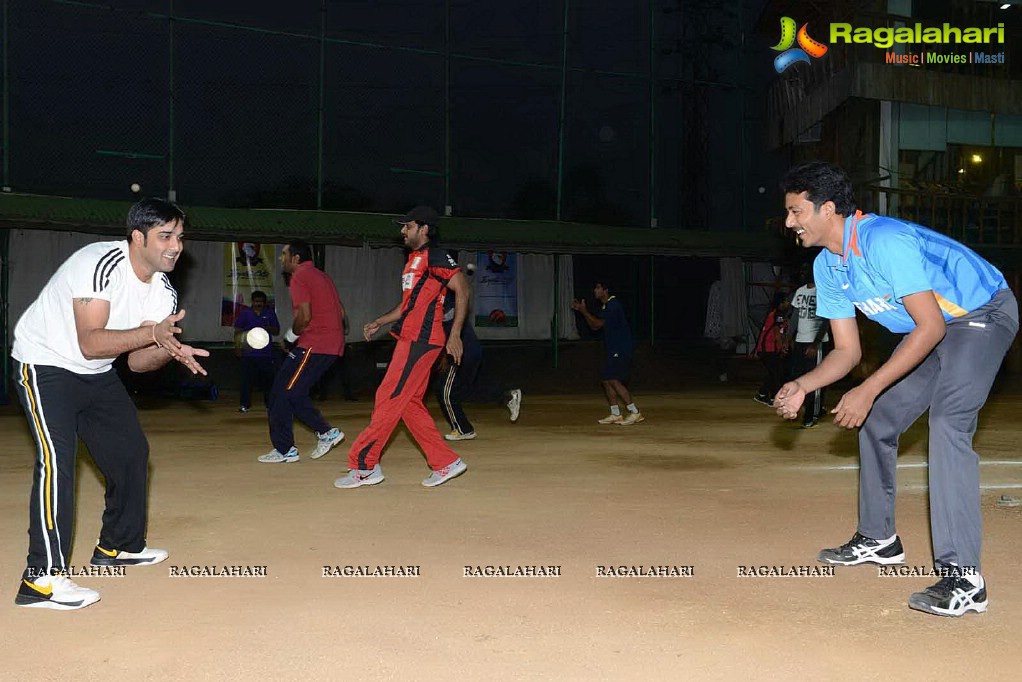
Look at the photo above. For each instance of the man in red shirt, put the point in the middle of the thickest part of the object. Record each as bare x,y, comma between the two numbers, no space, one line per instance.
318,335
419,330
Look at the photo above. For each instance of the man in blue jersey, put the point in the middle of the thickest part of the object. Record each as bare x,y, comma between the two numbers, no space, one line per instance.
959,318
617,339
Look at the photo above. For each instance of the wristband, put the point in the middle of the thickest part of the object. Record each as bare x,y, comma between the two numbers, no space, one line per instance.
290,336
154,337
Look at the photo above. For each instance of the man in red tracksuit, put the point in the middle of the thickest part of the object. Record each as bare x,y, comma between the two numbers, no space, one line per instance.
418,328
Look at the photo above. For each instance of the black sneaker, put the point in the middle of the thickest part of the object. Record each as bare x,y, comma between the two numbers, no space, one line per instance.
860,550
951,597
811,424
764,399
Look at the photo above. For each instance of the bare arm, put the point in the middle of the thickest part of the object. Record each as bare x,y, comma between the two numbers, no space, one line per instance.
838,363
148,359
929,331
387,318
855,405
344,317
149,347
459,285
96,341
594,322
303,316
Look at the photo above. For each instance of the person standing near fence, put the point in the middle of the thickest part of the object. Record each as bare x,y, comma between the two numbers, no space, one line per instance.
772,348
455,380
617,341
256,363
810,335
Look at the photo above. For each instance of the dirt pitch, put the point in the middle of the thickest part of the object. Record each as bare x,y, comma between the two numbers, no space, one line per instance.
711,480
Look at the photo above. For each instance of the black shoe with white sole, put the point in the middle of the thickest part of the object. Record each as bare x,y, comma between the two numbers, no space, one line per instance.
111,557
951,597
861,550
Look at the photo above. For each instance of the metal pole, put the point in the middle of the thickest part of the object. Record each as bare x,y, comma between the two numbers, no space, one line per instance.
7,117
171,192
561,118
652,300
652,115
448,208
319,113
743,168
555,325
5,292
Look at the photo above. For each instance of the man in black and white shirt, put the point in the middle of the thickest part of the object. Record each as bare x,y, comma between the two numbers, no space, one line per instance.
107,299
809,339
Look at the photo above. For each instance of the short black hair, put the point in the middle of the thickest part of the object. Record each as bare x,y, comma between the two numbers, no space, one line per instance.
300,248
258,294
152,212
822,182
605,283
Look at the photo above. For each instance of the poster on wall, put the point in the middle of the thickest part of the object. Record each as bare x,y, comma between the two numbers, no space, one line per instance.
496,289
248,267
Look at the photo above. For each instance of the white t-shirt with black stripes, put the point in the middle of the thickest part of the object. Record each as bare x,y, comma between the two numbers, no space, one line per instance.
46,333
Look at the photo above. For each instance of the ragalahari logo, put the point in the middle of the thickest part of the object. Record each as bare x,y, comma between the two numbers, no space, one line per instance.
807,47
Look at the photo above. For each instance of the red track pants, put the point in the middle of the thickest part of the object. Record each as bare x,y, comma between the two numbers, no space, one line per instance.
398,398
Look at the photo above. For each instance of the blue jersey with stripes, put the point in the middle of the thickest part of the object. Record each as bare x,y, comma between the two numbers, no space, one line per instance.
885,259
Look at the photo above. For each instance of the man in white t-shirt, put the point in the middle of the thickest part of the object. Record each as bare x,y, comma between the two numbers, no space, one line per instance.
107,299
810,336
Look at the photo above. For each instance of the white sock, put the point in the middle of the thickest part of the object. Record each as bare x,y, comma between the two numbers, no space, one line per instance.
615,410
632,408
972,575
888,540
975,578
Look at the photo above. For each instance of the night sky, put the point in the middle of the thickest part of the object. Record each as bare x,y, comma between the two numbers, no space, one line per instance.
90,106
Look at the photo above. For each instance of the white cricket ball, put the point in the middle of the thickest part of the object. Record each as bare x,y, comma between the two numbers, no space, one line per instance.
257,338
135,187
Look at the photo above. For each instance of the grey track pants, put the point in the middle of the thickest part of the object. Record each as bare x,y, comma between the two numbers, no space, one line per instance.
953,383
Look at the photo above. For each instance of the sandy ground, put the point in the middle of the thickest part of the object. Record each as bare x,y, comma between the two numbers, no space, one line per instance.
711,481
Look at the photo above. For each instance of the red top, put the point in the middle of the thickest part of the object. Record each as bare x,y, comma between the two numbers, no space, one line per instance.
423,288
772,335
325,332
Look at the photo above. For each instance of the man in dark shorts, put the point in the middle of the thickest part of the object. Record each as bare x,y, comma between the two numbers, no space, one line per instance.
617,339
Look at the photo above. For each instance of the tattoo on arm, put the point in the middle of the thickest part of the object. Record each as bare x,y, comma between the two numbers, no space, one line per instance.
83,301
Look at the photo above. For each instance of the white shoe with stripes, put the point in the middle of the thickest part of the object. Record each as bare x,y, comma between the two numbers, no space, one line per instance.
274,457
54,592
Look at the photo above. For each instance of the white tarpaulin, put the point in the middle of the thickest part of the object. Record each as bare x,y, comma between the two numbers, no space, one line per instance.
369,281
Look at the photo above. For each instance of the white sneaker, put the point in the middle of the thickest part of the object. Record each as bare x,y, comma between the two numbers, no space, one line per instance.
326,441
612,419
111,557
458,435
455,468
632,418
515,404
356,478
273,456
54,592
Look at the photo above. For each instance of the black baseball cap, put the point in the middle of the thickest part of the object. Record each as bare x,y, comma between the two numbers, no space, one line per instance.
423,215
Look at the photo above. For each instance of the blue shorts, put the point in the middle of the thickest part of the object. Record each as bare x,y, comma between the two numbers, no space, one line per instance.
618,366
